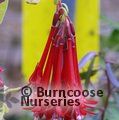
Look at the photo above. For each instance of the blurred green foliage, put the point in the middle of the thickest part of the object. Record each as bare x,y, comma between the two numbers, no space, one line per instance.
3,8
23,116
114,40
110,42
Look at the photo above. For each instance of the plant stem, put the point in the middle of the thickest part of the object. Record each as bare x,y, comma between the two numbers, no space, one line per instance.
108,96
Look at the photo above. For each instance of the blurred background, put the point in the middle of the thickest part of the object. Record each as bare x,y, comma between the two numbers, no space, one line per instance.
11,41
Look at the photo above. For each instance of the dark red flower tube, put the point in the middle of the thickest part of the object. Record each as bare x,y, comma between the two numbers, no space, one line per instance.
58,69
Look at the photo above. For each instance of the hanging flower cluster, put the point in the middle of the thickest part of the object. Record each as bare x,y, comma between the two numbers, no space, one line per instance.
58,67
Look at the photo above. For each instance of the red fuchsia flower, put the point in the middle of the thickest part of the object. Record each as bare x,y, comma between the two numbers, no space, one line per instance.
1,82
58,67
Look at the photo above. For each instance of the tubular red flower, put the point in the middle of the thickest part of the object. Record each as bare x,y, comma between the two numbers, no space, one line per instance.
58,68
47,72
37,74
76,70
56,82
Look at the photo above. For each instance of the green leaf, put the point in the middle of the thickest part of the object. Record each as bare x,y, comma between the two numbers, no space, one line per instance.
84,75
3,8
12,90
4,109
113,41
89,72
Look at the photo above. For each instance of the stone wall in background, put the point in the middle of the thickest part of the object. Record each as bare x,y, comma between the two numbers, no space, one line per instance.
10,41
109,16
